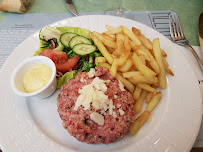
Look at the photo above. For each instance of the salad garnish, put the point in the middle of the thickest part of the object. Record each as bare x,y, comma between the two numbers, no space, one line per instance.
71,49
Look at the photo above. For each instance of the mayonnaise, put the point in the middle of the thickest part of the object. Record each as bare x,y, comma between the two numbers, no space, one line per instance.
36,77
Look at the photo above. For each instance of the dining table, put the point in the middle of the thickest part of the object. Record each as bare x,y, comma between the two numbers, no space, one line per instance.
44,12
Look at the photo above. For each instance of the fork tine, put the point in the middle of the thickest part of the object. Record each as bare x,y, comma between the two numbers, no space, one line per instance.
177,22
179,25
174,28
171,29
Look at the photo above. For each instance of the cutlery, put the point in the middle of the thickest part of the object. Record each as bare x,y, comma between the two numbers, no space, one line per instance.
179,38
71,7
201,31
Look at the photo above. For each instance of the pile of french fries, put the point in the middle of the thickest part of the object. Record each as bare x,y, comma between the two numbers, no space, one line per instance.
138,63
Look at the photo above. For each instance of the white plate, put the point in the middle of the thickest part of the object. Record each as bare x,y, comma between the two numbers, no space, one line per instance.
35,126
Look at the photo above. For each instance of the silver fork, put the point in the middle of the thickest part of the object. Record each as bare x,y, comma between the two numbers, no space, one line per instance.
178,37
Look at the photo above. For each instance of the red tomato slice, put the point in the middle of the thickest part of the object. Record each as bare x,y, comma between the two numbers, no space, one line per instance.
47,53
69,64
61,60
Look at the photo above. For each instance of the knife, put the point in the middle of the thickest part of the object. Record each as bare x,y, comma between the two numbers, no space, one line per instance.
201,31
71,7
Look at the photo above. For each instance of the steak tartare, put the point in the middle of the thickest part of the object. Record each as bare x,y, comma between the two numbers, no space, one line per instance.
104,121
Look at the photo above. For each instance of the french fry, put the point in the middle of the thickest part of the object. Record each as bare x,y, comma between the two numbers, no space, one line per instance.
114,67
168,70
131,35
142,59
131,80
141,67
122,59
114,31
108,27
154,101
136,31
143,79
139,122
149,97
158,57
156,85
163,53
131,74
124,56
107,37
139,103
126,83
114,56
100,60
116,52
120,36
153,63
106,65
106,42
113,36
146,87
166,66
102,49
133,46
120,44
150,94
126,66
165,62
110,50
140,52
133,68
145,41
137,93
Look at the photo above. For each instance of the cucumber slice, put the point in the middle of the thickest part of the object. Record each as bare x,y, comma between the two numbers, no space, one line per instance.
78,40
84,49
66,37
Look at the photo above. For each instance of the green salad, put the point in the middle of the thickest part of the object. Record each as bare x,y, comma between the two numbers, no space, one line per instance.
70,48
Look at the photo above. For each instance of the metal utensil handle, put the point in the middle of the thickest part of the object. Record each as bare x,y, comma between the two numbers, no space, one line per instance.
195,55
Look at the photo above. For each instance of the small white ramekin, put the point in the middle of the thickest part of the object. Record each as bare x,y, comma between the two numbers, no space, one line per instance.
18,73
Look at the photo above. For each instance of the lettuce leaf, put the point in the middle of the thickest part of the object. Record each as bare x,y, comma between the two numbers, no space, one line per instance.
63,80
42,45
77,30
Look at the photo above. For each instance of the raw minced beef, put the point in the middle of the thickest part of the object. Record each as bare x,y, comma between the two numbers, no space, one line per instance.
78,122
